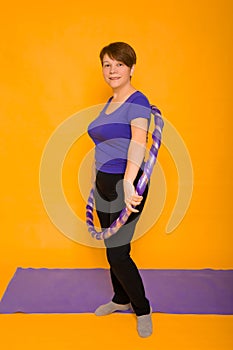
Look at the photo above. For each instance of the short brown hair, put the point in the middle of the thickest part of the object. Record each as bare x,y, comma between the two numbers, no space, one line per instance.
121,52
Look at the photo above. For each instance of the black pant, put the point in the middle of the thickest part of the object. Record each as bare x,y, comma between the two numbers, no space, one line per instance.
126,280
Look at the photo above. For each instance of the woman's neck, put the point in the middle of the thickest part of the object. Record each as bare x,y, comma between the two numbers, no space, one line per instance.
123,93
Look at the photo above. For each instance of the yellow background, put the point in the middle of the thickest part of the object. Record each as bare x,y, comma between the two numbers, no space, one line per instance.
50,70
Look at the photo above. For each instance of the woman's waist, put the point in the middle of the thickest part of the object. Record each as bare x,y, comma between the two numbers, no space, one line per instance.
114,166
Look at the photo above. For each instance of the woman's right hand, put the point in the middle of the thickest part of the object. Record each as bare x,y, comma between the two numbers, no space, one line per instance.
132,199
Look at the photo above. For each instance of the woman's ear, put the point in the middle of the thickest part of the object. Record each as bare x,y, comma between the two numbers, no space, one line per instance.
132,70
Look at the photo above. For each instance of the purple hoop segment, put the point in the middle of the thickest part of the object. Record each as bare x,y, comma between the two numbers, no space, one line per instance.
140,188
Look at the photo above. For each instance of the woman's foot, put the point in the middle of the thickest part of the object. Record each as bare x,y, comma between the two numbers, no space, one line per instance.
144,325
111,307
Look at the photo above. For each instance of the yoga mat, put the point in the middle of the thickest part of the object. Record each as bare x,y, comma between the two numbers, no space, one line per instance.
82,290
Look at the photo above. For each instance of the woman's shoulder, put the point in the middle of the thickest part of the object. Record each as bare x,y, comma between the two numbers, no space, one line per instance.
139,106
139,98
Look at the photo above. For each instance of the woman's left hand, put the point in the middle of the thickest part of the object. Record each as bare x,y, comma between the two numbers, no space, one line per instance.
132,199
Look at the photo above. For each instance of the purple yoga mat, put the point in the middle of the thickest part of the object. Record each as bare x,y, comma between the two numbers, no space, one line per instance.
82,290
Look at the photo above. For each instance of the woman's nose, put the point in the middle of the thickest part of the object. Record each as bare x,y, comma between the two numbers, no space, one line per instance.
112,69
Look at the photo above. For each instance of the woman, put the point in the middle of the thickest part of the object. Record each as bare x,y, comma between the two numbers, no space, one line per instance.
120,136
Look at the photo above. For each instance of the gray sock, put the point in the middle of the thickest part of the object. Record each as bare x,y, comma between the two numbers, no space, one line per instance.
144,325
110,307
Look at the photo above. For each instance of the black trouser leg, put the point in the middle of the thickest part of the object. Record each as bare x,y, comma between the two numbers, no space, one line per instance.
120,296
126,280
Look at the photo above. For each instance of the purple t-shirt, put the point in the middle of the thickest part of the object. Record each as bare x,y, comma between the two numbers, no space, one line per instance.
111,133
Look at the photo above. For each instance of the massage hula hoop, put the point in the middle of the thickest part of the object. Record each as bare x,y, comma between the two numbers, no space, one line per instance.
140,188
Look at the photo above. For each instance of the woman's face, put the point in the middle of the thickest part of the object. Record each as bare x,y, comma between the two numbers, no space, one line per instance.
116,73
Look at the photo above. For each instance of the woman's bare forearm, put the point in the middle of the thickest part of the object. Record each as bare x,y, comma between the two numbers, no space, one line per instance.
137,148
136,154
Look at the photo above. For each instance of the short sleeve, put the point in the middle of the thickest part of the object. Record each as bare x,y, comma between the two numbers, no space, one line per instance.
139,108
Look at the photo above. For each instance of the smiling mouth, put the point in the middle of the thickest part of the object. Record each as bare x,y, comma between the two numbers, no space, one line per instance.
114,78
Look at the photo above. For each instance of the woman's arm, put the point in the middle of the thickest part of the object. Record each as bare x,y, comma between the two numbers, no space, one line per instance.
136,153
